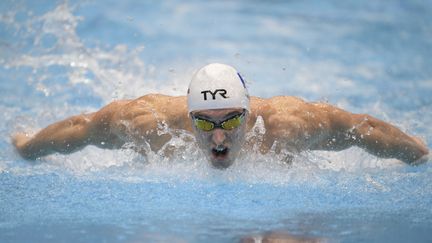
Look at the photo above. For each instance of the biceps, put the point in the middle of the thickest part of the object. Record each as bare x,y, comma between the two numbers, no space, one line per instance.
146,129
339,129
316,129
298,133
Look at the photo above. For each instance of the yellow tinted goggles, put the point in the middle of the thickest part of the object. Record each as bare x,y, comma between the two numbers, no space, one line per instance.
228,124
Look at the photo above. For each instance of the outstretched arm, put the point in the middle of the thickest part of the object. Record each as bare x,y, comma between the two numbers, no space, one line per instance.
375,136
319,126
65,137
70,135
384,140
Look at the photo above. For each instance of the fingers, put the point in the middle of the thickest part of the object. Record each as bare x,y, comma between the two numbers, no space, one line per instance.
20,139
425,158
421,144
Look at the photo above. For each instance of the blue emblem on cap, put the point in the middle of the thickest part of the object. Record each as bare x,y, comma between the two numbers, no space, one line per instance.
243,82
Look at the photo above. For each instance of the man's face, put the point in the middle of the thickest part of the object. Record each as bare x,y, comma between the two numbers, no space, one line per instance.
221,144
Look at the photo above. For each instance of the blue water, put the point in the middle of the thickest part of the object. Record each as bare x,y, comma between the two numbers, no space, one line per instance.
58,59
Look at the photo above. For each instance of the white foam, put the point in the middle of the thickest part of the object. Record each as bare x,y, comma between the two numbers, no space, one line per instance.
119,72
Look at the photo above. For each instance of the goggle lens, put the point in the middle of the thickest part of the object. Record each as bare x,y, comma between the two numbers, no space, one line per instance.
204,125
232,123
227,125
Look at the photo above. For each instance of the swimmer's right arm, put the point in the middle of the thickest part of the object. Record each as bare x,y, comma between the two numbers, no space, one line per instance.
71,134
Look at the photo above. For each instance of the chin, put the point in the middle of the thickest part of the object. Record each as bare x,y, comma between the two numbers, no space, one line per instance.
221,164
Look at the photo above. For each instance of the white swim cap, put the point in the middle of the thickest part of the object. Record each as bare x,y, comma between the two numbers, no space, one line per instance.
217,86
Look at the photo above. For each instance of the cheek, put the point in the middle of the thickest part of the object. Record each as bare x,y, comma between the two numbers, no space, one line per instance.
199,135
236,137
203,138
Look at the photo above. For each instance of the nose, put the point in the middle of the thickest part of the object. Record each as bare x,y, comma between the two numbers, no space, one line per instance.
218,136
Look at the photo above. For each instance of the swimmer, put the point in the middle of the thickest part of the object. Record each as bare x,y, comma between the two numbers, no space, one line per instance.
219,112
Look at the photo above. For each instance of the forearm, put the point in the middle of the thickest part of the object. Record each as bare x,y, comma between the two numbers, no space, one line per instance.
65,137
339,129
386,141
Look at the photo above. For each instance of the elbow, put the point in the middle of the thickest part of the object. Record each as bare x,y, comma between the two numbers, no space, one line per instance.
363,126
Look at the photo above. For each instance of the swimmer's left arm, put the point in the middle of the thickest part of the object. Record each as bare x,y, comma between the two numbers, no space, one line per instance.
387,141
375,136
297,125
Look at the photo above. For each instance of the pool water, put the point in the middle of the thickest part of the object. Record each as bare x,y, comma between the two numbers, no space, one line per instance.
60,58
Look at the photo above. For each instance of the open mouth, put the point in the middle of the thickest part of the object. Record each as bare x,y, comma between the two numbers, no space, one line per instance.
220,152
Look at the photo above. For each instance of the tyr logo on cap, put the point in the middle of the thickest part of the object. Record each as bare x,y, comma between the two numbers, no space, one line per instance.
222,93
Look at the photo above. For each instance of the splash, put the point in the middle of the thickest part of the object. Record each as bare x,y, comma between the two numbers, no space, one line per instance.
63,66
111,73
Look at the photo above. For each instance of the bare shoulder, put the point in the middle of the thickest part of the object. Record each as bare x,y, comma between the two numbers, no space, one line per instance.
154,108
285,119
157,104
267,107
280,112
288,114
291,106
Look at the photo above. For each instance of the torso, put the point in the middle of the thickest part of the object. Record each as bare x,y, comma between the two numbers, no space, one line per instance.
150,113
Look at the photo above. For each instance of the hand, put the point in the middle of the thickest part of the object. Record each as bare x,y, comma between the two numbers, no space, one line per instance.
20,139
423,147
422,144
